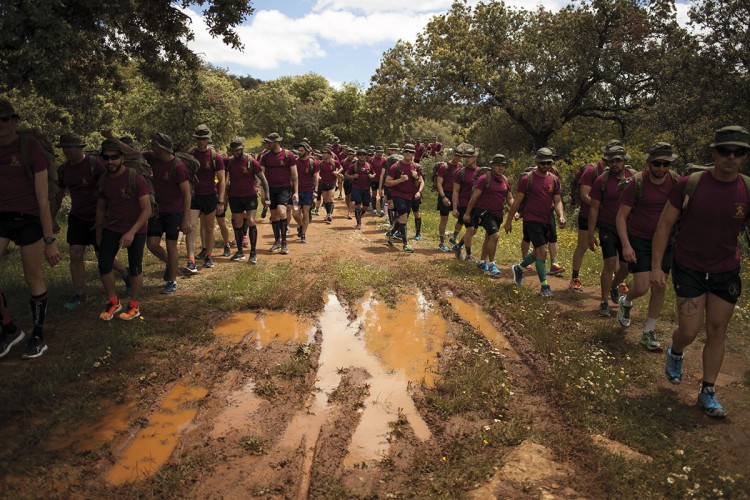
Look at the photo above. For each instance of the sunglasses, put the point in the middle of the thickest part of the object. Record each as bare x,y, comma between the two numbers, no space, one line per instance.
110,157
661,163
547,163
727,152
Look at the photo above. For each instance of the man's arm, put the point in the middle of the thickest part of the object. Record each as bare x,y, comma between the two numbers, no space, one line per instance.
295,181
593,216
559,209
45,215
264,186
622,231
512,211
586,194
668,218
472,202
186,226
145,203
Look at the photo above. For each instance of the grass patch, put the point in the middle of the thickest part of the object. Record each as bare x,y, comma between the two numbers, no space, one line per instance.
254,445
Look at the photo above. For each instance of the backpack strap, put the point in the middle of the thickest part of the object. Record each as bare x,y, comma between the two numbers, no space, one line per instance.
692,182
92,166
131,182
25,140
605,179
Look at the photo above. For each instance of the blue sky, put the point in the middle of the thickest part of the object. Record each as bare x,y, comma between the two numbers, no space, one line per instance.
343,40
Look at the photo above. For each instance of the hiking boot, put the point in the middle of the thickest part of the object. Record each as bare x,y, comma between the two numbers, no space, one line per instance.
470,258
275,247
238,255
190,267
303,239
603,309
493,269
201,255
208,263
482,265
443,247
227,252
546,291
169,288
575,285
555,269
9,340
35,348
76,300
623,312
707,401
253,258
132,313
517,274
110,310
418,237
408,248
674,367
457,251
284,249
648,339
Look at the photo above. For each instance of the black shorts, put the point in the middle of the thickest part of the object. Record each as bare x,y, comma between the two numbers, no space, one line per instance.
240,204
642,248
305,198
537,233
348,187
206,203
21,229
280,197
401,205
374,186
609,240
583,223
415,204
221,210
110,246
689,284
461,213
325,187
491,223
81,232
387,192
168,224
361,196
445,210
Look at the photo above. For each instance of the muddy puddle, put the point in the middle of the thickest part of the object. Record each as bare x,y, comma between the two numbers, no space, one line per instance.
480,320
266,327
113,418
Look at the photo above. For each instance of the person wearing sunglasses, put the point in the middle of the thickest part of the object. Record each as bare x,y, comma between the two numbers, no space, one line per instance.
26,220
712,207
641,204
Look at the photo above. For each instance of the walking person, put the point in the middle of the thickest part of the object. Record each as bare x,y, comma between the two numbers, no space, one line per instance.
280,168
444,184
463,182
406,184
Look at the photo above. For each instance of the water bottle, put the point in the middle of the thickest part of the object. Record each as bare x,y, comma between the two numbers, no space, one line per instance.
295,205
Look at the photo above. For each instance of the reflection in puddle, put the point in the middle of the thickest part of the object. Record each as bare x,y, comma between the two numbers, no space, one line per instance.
267,327
240,407
152,445
115,419
480,320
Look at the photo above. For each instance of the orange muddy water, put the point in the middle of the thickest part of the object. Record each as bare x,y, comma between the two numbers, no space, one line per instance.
266,327
480,320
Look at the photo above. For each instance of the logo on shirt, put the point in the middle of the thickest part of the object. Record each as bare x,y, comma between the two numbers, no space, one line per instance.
125,193
15,161
84,181
166,175
739,211
246,169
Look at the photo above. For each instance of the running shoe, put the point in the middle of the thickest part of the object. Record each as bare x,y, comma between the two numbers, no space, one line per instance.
208,263
389,240
556,269
245,242
110,310
303,239
382,213
190,267
238,256
201,255
452,241
546,291
493,269
418,237
674,367
132,313
575,285
470,258
275,247
35,348
284,249
76,300
517,274
623,289
623,312
299,231
253,258
707,401
648,339
233,243
9,340
482,265
264,212
227,252
374,213
329,219
358,227
444,248
408,248
603,309
349,215
315,211
169,288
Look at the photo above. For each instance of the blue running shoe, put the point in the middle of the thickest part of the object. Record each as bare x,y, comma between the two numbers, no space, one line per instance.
482,265
707,401
517,274
493,270
546,291
417,237
444,248
674,367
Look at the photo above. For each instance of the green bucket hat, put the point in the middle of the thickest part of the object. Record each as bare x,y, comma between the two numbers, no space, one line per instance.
393,146
236,143
611,144
110,145
393,159
202,132
408,148
544,154
163,141
70,140
499,159
616,152
660,151
733,135
274,137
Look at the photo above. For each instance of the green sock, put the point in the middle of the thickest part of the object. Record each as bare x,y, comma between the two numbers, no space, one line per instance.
541,271
527,260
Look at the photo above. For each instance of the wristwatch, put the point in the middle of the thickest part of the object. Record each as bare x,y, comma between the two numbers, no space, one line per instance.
48,240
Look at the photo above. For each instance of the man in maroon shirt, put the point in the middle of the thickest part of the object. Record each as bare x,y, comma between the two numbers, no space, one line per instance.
419,150
360,174
590,173
641,204
280,167
335,146
605,201
540,192
122,213
435,147
351,157
309,177
25,219
463,181
376,185
706,266
207,196
391,152
406,184
243,170
491,193
79,174
329,170
444,185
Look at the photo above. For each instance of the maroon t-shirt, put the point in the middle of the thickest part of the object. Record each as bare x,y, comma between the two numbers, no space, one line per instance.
327,176
493,196
707,241
435,148
407,189
446,171
306,170
541,199
17,191
378,164
242,176
277,168
464,192
341,156
81,183
205,176
167,179
610,199
123,207
587,179
419,151
362,171
336,149
647,209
